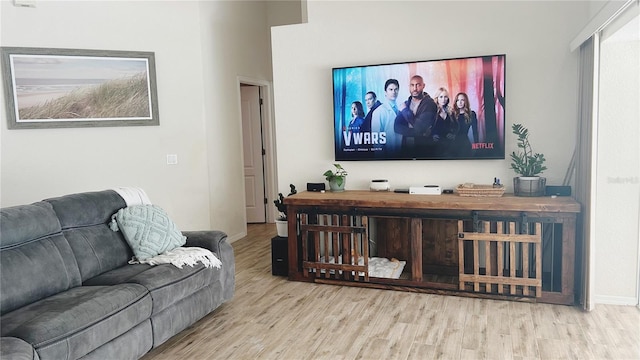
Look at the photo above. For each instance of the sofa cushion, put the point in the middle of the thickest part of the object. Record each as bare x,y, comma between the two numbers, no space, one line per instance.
36,261
75,322
166,283
17,224
98,249
148,230
36,270
132,345
84,219
86,209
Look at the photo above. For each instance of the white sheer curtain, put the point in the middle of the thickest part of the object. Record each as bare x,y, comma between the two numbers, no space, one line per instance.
585,167
585,154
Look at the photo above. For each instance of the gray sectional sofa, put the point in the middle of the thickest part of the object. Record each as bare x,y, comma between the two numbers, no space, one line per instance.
67,290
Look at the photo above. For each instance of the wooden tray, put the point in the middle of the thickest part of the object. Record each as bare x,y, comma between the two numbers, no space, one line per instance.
480,190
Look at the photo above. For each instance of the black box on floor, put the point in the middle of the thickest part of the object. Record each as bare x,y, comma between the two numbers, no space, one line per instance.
279,256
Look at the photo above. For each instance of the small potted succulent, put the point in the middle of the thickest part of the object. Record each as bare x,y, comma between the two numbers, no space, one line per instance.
281,222
336,179
528,164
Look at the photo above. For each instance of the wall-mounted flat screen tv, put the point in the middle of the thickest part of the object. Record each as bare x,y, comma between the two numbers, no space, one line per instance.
444,109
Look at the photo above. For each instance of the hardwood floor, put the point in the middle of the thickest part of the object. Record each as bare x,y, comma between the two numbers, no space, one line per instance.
272,318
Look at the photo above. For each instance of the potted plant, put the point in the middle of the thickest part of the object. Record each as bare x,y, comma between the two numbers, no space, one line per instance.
528,164
336,179
282,226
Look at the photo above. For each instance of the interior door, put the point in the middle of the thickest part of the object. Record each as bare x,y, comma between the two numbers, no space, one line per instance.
253,154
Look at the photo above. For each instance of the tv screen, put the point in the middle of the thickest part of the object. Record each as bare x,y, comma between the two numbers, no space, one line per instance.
423,110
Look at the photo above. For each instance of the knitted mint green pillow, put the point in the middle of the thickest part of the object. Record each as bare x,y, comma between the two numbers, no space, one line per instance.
148,230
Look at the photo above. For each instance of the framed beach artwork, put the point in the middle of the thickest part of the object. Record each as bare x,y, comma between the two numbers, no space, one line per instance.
55,88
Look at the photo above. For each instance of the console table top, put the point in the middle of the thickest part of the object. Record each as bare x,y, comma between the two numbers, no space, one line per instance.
392,200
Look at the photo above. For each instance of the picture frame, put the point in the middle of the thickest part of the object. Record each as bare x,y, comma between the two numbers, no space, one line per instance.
63,88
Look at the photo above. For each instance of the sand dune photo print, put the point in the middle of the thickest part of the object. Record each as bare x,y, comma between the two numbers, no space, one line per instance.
79,88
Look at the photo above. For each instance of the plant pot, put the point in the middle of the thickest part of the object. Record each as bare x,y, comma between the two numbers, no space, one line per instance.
333,185
282,227
529,185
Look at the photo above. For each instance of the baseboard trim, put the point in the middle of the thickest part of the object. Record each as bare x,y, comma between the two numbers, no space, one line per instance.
232,238
615,300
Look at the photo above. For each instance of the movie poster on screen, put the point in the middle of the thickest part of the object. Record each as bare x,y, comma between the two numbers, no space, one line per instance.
437,109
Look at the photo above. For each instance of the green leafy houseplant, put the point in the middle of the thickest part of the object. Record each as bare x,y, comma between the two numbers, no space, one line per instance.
338,176
526,162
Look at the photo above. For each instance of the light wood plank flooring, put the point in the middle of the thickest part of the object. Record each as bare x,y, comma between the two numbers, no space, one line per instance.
272,318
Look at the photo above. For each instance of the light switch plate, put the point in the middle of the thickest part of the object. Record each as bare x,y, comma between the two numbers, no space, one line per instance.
172,159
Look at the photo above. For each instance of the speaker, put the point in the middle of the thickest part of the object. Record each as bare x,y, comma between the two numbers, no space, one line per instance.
279,256
557,190
315,187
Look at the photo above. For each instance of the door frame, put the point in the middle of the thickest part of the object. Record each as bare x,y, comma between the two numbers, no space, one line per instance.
268,138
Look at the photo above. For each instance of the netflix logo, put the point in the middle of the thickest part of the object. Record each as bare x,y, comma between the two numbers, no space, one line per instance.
476,146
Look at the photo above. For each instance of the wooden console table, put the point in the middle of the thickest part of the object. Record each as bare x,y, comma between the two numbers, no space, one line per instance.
508,247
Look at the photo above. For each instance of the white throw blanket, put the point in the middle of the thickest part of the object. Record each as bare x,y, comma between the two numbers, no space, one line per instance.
133,195
183,256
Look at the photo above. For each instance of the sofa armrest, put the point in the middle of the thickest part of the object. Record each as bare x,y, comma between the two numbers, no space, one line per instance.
16,349
216,241
212,240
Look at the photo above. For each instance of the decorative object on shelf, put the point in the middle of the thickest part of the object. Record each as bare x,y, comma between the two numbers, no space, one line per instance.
475,190
336,179
425,190
316,187
282,226
379,185
528,164
529,185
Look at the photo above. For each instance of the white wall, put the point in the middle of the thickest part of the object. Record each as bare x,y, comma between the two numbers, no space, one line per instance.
540,91
200,49
235,43
618,172
50,162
